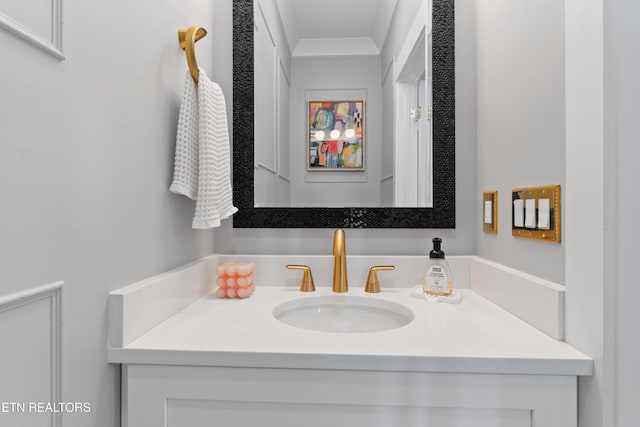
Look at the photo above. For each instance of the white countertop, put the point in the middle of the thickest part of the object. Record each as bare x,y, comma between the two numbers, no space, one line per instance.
475,336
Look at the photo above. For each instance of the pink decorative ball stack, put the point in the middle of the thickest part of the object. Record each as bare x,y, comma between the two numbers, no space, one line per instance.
235,280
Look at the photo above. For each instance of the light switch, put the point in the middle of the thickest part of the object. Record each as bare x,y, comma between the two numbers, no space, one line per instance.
536,213
488,212
543,214
518,213
530,213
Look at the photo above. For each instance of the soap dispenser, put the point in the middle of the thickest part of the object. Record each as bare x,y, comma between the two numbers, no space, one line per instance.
436,279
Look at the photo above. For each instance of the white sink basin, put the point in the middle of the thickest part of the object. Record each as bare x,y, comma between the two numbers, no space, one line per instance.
343,313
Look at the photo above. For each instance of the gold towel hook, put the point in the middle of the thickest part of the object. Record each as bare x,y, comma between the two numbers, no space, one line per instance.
188,39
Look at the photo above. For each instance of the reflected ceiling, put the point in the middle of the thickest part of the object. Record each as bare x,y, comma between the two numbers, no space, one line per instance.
365,22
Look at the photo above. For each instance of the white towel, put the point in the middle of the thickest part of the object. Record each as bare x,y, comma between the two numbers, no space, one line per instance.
202,169
185,169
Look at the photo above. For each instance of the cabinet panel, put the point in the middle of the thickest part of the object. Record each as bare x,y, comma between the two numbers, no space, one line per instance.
182,396
200,413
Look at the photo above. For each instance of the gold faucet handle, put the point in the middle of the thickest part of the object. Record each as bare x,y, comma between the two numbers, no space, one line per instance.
307,284
373,286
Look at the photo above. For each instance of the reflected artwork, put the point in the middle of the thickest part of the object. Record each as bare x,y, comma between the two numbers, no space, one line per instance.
336,136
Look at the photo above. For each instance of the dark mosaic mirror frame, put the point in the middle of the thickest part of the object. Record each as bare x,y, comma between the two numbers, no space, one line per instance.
442,215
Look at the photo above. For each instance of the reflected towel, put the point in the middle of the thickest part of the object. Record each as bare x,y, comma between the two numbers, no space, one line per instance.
202,168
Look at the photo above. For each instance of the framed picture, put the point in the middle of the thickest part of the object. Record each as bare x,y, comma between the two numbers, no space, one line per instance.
336,136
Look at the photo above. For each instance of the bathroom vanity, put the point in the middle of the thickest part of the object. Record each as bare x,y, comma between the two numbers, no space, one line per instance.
190,359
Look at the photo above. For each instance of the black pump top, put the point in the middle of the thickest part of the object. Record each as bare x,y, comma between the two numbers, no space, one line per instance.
436,252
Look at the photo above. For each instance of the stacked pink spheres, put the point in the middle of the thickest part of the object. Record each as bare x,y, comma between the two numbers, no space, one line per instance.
235,280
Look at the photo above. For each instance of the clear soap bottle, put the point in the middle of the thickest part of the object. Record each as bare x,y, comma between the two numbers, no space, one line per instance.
436,279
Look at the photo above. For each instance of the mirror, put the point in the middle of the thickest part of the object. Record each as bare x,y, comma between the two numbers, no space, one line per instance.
348,125
331,107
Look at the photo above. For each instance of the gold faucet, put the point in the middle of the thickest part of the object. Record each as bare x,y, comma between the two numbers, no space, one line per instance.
340,283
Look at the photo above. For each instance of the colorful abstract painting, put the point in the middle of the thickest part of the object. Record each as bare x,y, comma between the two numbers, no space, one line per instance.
336,135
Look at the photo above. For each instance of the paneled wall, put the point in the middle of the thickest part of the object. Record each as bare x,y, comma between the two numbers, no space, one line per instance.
272,93
31,369
86,158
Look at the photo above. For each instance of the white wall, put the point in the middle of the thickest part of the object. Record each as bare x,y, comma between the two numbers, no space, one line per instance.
622,231
86,160
407,163
272,86
403,17
520,121
603,92
584,229
335,78
387,168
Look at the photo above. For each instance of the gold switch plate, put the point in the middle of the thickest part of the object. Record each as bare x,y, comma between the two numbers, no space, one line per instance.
551,192
490,196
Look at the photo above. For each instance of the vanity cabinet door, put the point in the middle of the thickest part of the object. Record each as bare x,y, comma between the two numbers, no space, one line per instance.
185,396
